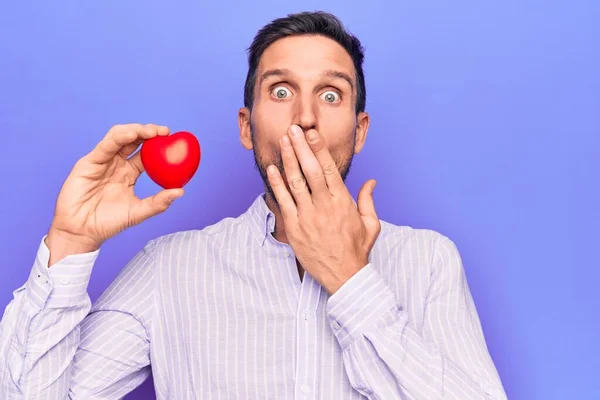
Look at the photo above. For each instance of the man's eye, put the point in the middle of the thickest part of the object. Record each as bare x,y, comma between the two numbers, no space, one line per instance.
281,92
330,96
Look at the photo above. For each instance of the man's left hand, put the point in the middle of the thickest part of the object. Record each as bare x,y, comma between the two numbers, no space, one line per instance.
330,235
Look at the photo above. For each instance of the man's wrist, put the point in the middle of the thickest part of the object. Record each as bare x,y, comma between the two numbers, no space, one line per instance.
62,244
333,283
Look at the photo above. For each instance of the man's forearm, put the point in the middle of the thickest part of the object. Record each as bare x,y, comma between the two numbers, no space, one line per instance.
38,335
38,348
385,357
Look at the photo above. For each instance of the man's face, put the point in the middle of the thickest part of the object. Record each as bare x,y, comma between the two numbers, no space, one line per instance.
307,81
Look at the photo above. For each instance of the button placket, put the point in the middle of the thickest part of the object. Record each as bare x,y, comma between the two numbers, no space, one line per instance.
306,375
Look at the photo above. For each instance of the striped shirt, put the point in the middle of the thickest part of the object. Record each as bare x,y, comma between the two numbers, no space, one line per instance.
221,313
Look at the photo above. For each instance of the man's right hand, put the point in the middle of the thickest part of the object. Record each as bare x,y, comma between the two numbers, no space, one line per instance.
97,200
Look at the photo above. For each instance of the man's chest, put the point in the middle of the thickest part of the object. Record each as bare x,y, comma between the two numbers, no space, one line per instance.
240,335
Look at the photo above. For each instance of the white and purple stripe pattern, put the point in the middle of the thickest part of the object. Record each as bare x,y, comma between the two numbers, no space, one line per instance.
221,313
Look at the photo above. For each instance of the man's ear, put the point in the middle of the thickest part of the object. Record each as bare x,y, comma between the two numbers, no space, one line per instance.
245,131
362,127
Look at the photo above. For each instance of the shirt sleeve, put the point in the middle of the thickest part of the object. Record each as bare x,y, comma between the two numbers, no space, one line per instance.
39,329
113,357
386,358
55,345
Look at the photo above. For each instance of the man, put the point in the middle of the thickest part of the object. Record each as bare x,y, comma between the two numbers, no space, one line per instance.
305,295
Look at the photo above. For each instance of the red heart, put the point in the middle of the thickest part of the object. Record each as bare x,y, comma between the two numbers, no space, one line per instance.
171,161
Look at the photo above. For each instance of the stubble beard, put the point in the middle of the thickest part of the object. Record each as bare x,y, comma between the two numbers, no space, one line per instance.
261,164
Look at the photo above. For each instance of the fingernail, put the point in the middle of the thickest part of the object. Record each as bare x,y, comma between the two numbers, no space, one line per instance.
271,170
296,131
312,136
285,141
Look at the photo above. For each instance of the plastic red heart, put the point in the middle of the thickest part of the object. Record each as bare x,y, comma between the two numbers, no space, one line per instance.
171,161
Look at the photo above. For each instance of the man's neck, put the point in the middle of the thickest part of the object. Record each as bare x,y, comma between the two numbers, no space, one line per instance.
279,233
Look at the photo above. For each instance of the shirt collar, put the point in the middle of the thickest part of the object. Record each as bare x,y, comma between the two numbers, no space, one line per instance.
260,219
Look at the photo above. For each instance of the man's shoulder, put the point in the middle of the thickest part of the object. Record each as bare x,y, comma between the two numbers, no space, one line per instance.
421,251
226,226
390,232
407,233
405,236
391,236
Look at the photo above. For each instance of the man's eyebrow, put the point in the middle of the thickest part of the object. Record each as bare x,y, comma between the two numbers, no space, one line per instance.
273,72
340,75
331,73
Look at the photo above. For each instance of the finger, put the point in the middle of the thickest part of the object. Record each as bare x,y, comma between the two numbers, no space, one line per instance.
130,148
121,136
366,209
310,165
334,180
295,177
284,198
119,140
153,205
136,162
127,150
366,205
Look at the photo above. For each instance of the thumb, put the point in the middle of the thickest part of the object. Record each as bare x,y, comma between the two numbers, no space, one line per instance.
366,209
153,205
366,205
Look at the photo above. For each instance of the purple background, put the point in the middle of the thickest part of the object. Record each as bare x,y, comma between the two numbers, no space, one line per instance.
485,127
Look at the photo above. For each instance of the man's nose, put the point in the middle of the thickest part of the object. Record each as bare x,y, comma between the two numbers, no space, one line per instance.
305,112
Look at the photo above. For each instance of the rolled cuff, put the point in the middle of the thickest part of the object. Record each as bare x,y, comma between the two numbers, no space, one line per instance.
64,284
359,304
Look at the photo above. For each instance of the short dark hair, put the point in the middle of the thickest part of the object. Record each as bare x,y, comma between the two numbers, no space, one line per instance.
306,23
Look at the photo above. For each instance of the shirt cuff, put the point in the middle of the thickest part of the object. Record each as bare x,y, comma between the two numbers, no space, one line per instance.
359,304
64,284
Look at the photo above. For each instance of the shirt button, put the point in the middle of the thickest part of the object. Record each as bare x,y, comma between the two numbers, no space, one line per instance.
305,315
288,255
336,325
64,281
304,388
